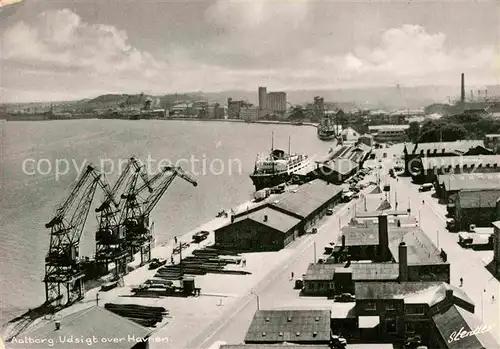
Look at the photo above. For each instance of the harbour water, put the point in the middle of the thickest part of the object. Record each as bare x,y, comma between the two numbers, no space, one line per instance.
221,155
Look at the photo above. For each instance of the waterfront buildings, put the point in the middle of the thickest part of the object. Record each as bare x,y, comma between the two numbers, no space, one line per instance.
290,326
349,135
414,152
450,184
389,133
271,102
474,207
492,141
249,113
276,102
366,139
234,108
431,167
275,224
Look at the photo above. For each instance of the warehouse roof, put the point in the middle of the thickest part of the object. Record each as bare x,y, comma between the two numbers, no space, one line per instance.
359,271
445,147
94,321
426,292
478,198
460,161
454,319
272,218
388,127
319,272
360,236
289,326
420,248
467,181
307,198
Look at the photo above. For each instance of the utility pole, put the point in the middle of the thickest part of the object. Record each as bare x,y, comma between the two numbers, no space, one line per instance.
180,259
314,245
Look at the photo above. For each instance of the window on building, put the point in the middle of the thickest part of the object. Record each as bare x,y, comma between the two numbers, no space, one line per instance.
410,327
415,309
391,326
390,306
371,306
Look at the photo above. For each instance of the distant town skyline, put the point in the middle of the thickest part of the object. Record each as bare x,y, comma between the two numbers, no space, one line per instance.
68,50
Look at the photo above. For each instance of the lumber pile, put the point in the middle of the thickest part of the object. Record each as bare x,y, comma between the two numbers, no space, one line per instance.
140,314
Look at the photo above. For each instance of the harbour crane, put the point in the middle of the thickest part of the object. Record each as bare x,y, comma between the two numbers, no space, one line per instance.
110,234
62,264
136,210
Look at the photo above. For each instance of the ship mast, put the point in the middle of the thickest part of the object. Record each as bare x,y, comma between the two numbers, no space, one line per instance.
272,141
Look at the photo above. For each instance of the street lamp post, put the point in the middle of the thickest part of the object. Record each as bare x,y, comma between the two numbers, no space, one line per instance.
314,245
254,292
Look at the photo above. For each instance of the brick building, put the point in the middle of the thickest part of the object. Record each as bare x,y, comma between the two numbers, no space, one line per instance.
414,152
450,184
430,168
474,207
396,311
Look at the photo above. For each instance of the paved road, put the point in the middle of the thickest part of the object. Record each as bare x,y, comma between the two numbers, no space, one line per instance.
479,284
276,290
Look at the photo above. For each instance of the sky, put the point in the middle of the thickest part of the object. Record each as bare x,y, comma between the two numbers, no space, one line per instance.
65,50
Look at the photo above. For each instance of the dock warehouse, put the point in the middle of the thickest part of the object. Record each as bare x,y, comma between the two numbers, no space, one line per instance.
272,226
447,185
433,167
103,328
291,326
413,152
474,207
337,171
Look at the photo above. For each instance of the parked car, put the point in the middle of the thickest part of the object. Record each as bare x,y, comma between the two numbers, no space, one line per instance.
299,284
425,187
450,225
156,263
200,236
345,297
355,196
338,342
329,212
413,342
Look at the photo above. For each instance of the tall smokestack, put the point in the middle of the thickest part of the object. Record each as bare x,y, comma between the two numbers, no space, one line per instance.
403,262
462,95
383,237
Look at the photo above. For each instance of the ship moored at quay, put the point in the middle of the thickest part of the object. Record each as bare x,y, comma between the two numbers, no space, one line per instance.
279,167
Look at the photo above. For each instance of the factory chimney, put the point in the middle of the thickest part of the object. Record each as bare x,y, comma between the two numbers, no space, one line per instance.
462,95
485,94
471,96
403,262
383,237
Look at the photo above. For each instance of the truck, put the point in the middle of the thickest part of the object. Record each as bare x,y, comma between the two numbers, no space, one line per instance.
262,194
480,239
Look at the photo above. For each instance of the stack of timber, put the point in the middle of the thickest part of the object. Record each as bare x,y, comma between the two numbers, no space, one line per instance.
142,315
202,262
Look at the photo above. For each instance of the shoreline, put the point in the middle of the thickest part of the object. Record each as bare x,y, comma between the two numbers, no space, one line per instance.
270,122
137,274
